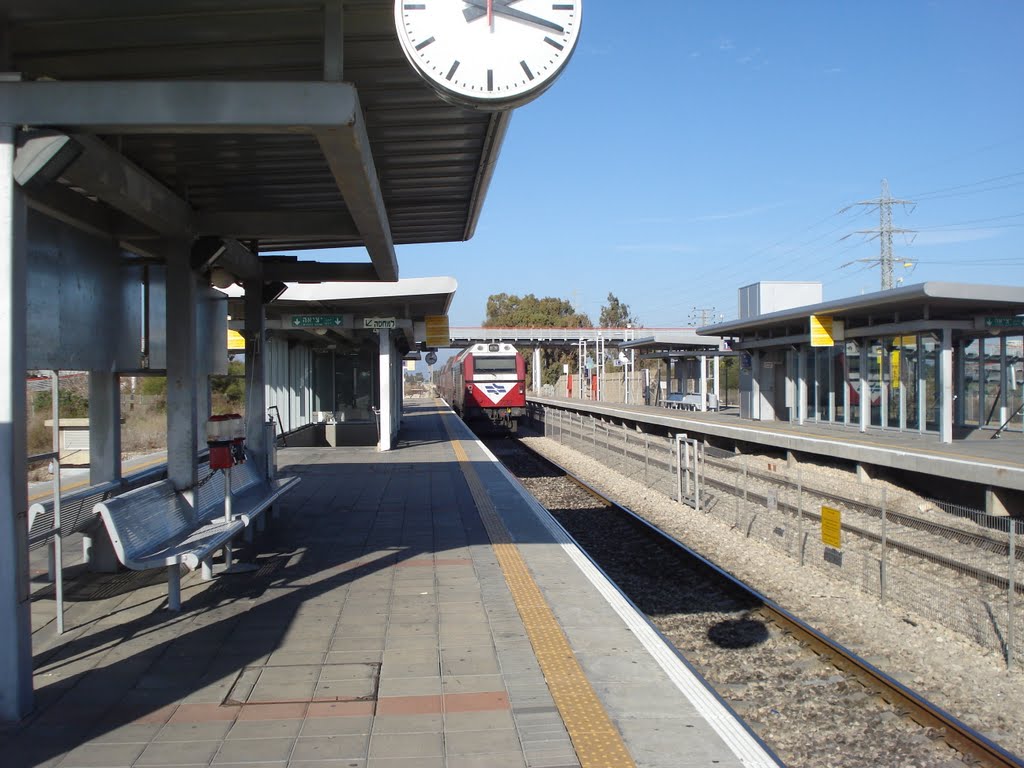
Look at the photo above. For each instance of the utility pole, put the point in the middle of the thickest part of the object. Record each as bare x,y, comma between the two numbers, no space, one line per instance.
699,316
884,232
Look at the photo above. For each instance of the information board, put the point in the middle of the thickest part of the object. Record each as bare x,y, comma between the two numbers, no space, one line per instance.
438,334
317,321
380,323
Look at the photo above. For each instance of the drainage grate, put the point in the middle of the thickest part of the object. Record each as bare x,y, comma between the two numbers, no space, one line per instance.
305,683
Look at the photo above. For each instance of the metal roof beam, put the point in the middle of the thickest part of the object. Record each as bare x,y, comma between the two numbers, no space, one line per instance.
347,151
318,272
259,225
203,107
122,185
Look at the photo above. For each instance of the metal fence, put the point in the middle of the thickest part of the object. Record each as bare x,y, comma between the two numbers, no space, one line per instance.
960,572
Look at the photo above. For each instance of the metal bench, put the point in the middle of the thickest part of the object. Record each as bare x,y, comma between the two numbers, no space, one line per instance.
156,526
675,400
76,516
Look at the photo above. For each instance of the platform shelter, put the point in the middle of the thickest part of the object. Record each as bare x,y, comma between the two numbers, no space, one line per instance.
942,359
149,152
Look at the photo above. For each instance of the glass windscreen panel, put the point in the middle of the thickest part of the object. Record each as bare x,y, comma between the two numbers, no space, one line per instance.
494,365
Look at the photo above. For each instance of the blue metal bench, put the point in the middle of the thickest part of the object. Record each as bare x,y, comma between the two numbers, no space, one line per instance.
156,526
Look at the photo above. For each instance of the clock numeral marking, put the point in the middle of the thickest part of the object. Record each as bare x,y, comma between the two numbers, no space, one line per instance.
561,7
451,72
526,69
424,44
554,43
490,79
414,7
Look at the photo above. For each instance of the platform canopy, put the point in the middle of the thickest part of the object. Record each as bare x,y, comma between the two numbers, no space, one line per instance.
335,311
268,125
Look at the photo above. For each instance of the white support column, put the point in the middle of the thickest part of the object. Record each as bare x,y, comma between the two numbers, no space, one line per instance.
703,382
182,395
1004,383
801,385
104,427
865,390
536,370
15,625
715,373
256,372
946,387
384,376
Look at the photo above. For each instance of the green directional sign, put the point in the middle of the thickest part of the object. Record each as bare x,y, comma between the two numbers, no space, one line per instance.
1004,322
318,321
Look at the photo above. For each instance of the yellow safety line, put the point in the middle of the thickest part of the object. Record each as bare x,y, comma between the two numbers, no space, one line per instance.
597,741
83,483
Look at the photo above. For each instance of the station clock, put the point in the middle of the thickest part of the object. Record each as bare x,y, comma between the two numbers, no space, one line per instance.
489,54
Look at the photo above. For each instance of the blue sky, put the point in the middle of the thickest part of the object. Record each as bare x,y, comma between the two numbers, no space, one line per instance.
694,147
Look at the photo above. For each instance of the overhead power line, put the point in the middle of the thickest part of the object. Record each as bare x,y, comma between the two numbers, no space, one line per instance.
884,232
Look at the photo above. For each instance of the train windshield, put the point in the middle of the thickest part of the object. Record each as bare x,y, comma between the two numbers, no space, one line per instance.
494,364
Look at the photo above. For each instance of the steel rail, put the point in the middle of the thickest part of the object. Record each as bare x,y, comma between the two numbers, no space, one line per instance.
956,733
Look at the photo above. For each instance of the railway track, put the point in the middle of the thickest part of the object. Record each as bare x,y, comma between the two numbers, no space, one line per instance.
814,702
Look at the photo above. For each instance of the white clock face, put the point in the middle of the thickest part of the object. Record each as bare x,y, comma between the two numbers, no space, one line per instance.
489,53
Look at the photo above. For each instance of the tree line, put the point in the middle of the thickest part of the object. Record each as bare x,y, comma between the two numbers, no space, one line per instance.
506,310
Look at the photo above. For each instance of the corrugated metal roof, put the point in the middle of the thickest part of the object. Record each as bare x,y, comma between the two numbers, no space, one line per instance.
433,160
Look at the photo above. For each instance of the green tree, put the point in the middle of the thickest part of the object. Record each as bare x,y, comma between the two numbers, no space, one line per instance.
506,310
229,391
509,311
615,314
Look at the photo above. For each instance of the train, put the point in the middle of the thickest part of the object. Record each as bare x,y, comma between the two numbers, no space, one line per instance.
486,385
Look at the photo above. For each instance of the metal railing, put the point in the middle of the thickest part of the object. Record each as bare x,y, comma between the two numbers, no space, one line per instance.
959,572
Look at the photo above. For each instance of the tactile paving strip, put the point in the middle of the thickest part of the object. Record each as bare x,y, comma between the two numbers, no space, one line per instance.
597,741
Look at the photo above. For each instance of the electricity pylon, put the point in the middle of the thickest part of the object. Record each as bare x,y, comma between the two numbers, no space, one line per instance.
884,232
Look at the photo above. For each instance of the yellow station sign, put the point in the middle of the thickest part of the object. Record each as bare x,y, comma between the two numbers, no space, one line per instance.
438,334
821,331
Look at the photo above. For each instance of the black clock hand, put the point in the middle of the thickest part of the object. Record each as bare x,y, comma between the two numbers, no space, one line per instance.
472,14
512,13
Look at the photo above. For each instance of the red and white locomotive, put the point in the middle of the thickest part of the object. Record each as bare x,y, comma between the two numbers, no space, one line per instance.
486,382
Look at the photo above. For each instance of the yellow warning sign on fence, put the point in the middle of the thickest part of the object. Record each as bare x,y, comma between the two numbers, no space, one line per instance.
831,527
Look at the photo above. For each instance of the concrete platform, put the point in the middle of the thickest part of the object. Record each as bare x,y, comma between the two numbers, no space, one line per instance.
974,458
408,611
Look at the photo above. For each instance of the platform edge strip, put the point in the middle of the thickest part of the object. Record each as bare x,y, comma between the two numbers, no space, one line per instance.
735,735
598,743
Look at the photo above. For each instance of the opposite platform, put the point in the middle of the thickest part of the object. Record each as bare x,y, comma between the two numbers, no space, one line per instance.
411,608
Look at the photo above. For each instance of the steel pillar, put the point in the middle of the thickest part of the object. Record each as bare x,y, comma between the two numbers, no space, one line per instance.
946,387
15,627
182,369
384,417
104,427
256,371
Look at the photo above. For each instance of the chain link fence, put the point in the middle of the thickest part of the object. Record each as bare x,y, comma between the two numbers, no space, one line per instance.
960,570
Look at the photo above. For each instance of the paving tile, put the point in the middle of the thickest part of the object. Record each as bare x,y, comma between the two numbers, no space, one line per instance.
340,746
409,705
279,711
264,729
208,731
254,750
482,742
476,701
336,726
478,720
420,723
125,733
201,713
472,683
418,745
409,686
178,753
104,755
338,709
